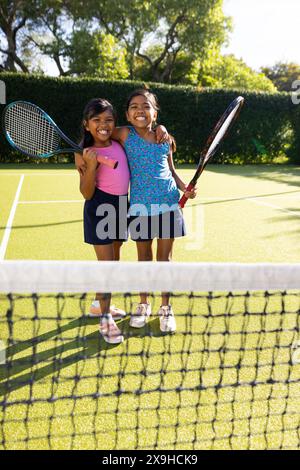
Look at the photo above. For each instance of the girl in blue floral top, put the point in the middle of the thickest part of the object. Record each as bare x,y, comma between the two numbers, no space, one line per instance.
154,195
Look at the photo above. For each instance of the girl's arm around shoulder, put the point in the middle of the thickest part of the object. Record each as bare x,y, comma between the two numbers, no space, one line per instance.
120,134
162,135
88,177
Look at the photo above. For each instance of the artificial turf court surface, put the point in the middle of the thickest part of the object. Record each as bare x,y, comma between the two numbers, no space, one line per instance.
246,214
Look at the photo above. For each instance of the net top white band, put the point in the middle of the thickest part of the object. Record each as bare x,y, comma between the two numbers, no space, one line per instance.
93,276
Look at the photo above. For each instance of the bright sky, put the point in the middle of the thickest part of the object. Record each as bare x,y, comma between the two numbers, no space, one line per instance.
265,31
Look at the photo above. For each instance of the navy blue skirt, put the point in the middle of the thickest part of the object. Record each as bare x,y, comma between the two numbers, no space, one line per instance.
163,226
105,218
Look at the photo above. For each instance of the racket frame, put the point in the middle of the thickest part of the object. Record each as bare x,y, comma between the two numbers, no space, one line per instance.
73,147
236,103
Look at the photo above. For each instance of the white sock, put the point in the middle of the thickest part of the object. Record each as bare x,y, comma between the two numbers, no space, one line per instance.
106,317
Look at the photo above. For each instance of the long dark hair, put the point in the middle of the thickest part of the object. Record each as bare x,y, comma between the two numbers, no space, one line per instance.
154,102
93,108
143,92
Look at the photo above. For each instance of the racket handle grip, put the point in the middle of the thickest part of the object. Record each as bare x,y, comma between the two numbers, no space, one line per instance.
184,198
110,162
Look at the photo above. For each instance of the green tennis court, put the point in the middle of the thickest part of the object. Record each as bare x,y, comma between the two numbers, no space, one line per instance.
242,213
224,380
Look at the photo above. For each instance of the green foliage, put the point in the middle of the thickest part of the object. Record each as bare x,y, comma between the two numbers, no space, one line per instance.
229,72
14,17
212,70
165,41
173,26
268,127
180,73
283,75
97,54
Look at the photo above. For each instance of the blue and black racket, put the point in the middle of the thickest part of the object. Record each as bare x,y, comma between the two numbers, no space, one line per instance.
31,131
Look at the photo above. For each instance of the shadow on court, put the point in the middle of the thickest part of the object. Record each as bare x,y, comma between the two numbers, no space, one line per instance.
287,218
244,198
51,361
274,173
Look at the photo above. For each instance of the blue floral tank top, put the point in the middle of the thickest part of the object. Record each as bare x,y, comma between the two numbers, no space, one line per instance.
152,187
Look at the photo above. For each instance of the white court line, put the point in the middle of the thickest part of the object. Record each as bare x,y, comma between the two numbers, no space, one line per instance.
8,227
52,202
273,206
250,199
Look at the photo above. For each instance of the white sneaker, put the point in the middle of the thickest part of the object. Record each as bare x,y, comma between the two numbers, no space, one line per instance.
109,330
167,319
95,311
141,315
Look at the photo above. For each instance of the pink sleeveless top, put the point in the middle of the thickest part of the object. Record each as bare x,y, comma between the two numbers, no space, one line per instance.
113,181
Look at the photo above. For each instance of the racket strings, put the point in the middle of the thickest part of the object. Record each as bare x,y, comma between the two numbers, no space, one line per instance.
30,130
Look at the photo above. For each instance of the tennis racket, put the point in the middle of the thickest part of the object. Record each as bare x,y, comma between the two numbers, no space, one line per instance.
30,130
215,139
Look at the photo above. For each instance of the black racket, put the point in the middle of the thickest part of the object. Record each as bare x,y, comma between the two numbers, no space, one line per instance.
220,131
30,130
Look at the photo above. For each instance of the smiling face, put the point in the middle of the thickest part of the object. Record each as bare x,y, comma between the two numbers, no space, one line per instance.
140,112
101,127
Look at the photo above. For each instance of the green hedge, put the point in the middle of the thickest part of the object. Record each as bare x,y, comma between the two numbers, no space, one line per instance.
268,127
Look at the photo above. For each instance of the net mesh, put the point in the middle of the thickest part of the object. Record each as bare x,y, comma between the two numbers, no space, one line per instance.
30,131
227,379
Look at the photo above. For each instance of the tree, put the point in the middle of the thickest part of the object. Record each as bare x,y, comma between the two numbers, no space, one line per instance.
177,26
181,70
50,31
74,44
14,16
29,28
105,58
227,71
212,70
283,75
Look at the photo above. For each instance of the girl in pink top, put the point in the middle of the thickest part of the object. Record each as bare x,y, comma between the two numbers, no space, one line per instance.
116,181
105,191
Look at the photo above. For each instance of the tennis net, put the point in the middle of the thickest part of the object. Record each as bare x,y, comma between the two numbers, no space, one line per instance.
229,378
